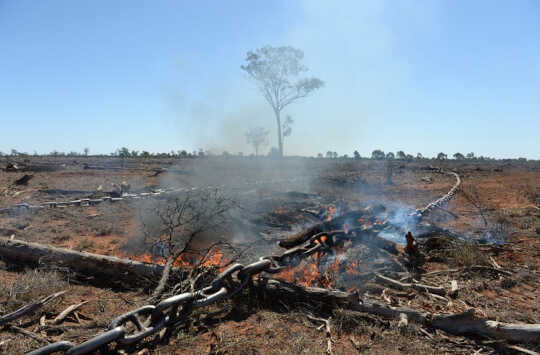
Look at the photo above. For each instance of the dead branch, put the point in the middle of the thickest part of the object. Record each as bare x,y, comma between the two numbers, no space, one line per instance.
179,223
497,266
522,350
403,286
29,308
60,318
28,334
329,340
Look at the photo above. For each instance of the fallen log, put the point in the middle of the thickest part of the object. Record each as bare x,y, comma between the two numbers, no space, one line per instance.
466,323
103,268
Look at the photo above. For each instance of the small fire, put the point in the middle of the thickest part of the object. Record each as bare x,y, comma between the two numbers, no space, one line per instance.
149,259
214,258
323,239
352,269
313,271
307,273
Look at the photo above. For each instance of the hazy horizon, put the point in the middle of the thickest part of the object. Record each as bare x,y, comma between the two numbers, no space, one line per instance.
418,76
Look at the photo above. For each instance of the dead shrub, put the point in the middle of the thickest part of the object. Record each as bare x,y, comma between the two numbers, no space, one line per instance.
30,286
84,244
347,321
62,236
465,253
532,194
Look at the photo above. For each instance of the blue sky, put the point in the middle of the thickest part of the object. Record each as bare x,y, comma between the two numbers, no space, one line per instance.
419,76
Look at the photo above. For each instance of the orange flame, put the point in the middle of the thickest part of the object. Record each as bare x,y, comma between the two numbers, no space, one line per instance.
215,258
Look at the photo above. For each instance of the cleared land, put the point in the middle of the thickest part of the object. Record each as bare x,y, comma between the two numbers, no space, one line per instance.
495,266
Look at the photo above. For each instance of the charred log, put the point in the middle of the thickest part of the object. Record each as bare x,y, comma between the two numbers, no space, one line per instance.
337,223
23,180
101,267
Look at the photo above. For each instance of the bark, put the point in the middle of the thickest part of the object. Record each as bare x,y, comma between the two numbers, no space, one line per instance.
103,268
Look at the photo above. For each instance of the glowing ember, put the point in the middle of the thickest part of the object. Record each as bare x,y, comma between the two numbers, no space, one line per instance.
351,270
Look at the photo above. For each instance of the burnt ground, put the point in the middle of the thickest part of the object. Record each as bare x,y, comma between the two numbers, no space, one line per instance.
497,208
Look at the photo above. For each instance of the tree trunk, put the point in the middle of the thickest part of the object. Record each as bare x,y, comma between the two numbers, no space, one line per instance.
280,137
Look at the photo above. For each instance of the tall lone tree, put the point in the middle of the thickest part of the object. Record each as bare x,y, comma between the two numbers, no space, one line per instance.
277,72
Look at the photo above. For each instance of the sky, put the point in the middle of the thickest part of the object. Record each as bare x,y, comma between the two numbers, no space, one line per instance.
422,76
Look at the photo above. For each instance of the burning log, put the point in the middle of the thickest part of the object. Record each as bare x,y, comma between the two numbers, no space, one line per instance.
107,268
334,224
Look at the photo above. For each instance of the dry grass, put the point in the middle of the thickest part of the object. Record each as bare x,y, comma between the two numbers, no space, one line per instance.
18,344
30,286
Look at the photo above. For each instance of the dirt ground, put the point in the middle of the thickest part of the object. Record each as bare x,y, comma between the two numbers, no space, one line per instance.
496,211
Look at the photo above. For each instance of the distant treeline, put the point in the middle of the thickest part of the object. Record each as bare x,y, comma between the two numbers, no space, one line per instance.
377,154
